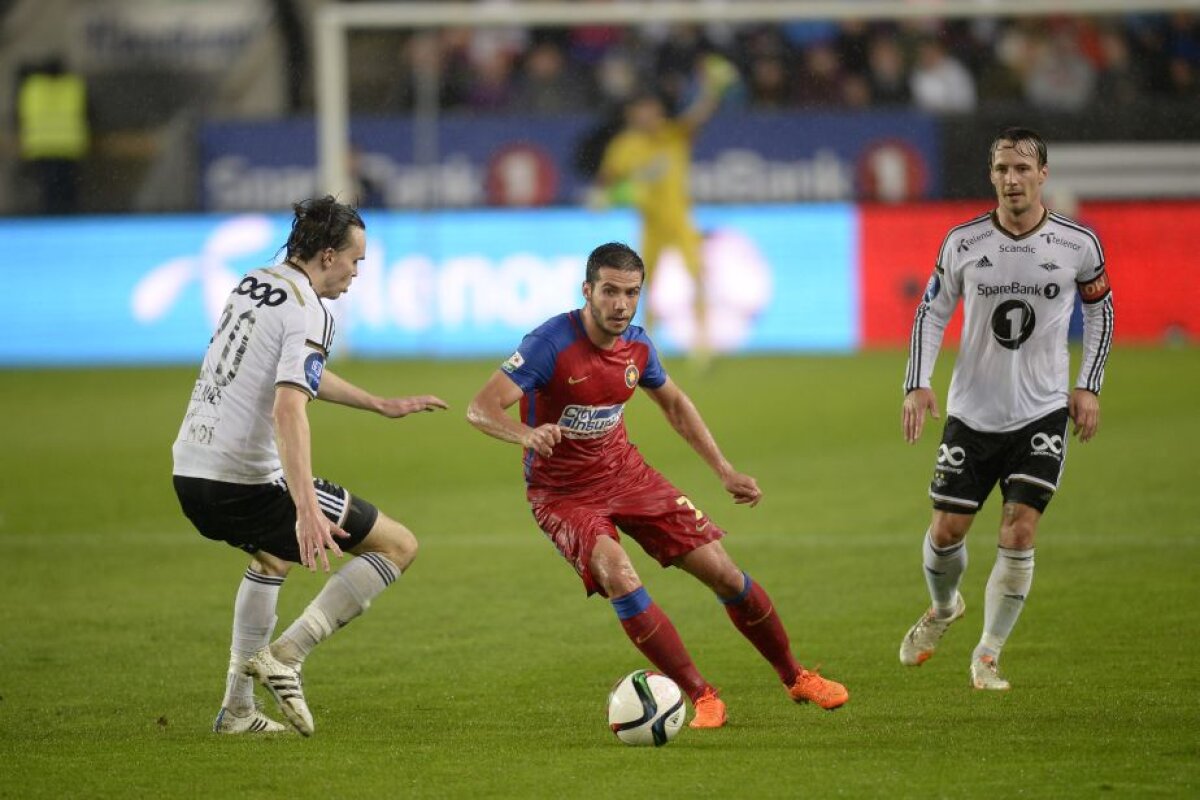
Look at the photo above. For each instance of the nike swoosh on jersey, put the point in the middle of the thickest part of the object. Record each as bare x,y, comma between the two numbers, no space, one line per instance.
574,381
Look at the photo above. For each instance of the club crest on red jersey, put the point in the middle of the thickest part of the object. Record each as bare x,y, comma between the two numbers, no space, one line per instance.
631,375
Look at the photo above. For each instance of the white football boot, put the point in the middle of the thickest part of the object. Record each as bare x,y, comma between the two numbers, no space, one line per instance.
985,674
922,639
253,721
285,686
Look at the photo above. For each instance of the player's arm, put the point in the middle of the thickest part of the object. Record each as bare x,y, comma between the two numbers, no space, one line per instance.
929,324
1084,403
314,531
717,75
336,389
681,412
488,412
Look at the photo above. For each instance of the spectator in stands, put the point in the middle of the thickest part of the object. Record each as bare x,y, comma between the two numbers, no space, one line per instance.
819,84
1059,77
1120,80
1002,74
770,85
886,71
939,82
546,86
490,88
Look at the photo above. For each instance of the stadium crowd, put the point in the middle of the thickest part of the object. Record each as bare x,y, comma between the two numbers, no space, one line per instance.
1065,64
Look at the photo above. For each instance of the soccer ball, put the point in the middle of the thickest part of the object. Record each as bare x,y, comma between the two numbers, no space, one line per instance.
645,708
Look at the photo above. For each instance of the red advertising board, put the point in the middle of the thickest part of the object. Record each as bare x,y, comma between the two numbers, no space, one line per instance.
1150,249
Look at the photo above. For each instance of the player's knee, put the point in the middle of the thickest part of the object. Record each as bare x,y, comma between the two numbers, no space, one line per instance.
613,570
947,530
393,541
1019,532
267,564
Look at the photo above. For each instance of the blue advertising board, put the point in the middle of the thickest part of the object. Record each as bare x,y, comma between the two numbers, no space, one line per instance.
438,284
739,157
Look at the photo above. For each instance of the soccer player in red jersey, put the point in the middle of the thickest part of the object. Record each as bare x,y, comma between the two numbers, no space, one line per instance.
573,376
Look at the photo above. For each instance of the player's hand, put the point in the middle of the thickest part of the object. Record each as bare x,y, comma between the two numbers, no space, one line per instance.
1084,408
542,439
396,407
315,536
916,404
744,489
718,73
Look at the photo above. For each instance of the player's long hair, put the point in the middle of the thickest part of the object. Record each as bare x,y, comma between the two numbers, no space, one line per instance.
320,223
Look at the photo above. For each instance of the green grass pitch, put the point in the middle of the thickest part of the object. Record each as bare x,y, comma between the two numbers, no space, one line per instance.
484,671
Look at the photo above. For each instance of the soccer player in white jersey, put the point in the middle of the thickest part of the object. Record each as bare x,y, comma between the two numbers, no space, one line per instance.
1017,271
243,463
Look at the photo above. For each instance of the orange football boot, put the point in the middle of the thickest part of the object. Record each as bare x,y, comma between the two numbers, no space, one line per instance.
810,687
710,711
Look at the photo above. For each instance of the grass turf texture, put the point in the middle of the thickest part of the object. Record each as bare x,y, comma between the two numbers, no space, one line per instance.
484,671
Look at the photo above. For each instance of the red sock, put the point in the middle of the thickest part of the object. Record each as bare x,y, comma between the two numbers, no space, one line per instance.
755,616
652,632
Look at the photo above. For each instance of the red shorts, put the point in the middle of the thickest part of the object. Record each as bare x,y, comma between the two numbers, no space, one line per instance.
645,505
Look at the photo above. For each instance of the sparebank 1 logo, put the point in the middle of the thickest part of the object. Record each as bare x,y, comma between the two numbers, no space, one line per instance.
160,290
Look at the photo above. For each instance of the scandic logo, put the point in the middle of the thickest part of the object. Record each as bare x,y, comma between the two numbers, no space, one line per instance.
1017,248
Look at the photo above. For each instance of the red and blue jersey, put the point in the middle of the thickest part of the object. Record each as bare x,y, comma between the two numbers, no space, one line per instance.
571,382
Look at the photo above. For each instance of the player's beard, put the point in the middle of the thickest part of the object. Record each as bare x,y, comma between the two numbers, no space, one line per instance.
607,324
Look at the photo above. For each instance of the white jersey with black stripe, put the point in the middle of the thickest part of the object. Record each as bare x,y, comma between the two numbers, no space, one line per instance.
1018,293
274,331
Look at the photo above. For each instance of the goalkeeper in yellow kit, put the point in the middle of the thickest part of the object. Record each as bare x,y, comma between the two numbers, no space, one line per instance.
647,166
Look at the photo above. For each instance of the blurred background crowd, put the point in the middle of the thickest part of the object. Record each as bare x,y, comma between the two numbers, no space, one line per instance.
106,103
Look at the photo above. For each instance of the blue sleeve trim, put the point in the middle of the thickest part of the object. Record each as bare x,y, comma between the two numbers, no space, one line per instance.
630,605
747,584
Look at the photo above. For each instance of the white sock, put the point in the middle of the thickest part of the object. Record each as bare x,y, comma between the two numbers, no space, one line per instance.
346,594
1006,590
253,623
944,568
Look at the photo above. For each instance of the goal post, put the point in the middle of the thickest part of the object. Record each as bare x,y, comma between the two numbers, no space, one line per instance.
334,21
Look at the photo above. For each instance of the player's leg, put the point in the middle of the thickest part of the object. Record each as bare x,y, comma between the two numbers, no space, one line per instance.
239,515
652,246
379,559
690,244
968,465
754,615
277,666
1037,455
586,537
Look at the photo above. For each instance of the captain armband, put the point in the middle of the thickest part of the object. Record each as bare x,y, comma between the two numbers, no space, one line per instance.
1096,289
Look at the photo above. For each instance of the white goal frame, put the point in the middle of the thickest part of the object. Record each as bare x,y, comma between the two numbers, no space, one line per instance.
334,21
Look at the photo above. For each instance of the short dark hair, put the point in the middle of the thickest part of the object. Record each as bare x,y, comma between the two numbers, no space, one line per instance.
614,255
321,222
1023,140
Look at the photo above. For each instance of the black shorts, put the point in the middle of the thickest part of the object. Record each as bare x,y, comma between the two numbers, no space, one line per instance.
262,516
1027,462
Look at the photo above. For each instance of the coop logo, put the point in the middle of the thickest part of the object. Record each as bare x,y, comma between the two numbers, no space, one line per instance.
263,292
1017,248
964,244
954,456
1046,445
1012,289
590,422
1049,237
